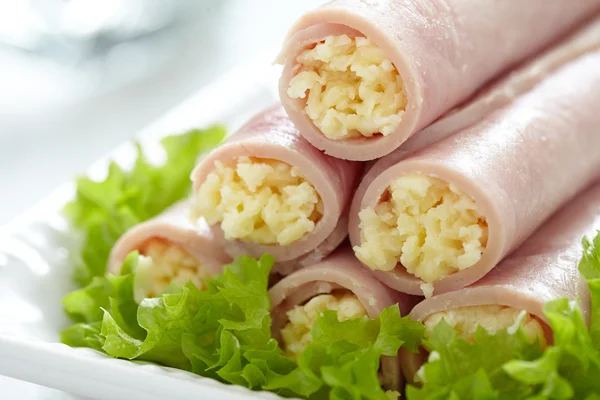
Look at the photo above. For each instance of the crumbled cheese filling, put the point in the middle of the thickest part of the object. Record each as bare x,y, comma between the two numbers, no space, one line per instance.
162,263
427,289
353,89
296,333
262,201
490,317
425,224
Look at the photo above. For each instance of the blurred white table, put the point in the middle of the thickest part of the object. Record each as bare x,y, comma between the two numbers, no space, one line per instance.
43,144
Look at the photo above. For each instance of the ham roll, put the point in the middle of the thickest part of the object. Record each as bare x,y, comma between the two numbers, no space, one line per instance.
171,249
339,283
441,217
360,77
267,190
544,268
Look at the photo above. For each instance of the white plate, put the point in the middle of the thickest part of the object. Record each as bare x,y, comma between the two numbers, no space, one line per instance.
35,272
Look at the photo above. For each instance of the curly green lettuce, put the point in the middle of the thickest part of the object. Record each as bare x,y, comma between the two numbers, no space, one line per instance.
86,307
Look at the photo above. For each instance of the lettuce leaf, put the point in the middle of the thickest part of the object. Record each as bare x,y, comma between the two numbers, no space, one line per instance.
104,210
589,267
86,305
222,332
462,370
342,361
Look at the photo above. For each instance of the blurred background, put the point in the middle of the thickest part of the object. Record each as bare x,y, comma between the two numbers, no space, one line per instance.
78,77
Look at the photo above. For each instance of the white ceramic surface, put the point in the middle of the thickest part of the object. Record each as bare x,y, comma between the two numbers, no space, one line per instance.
35,270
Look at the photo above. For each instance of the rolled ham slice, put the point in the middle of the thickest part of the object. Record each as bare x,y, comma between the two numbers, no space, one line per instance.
272,136
340,271
544,268
503,90
172,249
443,52
519,164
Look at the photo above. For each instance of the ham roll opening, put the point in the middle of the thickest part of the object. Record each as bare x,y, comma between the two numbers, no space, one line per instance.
279,205
267,190
171,250
544,268
295,335
337,283
441,217
491,317
350,87
360,77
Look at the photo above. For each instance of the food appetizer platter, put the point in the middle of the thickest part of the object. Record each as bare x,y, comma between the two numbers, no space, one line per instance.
399,210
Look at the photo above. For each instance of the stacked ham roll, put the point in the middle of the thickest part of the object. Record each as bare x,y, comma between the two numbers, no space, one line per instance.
337,283
267,190
361,77
171,249
479,122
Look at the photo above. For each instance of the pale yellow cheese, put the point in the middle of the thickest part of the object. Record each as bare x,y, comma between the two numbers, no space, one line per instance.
425,224
296,333
490,317
351,88
259,200
162,263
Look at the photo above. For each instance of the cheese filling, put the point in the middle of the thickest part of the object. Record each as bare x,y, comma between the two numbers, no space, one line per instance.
425,224
351,88
296,333
490,317
262,201
162,263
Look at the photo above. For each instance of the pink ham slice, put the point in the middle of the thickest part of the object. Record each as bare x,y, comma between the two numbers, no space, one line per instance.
502,90
341,270
444,51
549,135
272,135
173,226
543,269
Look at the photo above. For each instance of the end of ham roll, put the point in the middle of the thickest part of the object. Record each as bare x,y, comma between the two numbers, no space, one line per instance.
422,229
344,92
426,224
263,201
267,190
171,250
466,320
491,317
349,88
162,262
338,283
295,335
